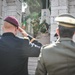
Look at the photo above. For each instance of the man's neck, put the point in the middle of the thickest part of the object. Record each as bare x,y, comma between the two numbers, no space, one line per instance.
9,32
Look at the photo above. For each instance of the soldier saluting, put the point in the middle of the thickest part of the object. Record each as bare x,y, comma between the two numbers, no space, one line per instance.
14,51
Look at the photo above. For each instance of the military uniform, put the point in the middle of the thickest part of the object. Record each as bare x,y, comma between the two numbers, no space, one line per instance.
58,58
14,53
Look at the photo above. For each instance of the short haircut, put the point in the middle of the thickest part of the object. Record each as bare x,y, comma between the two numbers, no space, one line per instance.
66,32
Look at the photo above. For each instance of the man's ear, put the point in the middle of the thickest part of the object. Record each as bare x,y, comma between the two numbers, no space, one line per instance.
16,29
57,31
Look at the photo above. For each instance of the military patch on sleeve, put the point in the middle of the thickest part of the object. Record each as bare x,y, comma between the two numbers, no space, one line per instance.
26,38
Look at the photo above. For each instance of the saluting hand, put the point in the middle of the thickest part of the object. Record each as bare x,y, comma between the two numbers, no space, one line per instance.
24,33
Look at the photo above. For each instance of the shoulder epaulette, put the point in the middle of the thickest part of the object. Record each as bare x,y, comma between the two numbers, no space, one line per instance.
45,45
26,38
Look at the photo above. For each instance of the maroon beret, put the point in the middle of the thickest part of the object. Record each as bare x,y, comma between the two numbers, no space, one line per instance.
12,20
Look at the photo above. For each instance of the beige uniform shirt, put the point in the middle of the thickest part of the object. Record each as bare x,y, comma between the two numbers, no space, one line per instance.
57,58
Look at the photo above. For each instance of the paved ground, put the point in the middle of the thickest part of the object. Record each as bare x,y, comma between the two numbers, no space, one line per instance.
44,39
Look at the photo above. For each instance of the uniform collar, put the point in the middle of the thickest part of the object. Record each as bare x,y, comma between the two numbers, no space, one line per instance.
8,34
64,39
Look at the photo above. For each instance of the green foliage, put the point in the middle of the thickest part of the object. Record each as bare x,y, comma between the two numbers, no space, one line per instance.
37,27
42,27
34,5
34,15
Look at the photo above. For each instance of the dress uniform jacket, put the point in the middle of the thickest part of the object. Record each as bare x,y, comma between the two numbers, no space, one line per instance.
57,58
14,53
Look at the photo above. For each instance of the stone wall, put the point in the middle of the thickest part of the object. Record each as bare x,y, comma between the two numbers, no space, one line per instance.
58,7
71,9
10,8
0,8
